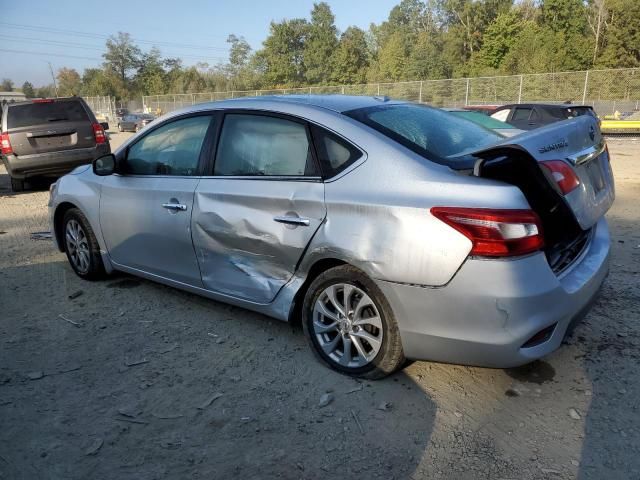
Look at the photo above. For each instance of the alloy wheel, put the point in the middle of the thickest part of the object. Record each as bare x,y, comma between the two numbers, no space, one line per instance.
347,325
77,246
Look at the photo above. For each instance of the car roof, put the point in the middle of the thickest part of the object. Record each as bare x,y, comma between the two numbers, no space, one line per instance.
336,103
29,101
546,105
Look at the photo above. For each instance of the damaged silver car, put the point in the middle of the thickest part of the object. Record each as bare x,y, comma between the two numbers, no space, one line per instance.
393,230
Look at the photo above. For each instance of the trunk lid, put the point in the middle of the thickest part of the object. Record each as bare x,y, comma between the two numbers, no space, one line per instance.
49,127
579,143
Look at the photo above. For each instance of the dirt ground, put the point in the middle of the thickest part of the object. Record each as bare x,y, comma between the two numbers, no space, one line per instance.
128,379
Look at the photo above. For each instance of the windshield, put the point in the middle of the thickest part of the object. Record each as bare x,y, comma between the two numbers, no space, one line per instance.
430,132
482,119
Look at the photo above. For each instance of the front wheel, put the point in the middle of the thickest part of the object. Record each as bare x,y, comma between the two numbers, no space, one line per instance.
350,326
81,246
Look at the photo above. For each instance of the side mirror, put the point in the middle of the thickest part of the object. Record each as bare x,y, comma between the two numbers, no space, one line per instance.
104,125
105,165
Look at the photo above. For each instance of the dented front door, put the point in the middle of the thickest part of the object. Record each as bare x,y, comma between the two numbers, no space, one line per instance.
249,234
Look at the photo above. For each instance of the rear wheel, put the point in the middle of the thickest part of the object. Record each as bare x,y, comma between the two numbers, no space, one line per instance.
81,246
137,129
350,326
17,184
120,128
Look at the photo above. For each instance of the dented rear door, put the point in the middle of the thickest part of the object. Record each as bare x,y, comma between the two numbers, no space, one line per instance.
253,219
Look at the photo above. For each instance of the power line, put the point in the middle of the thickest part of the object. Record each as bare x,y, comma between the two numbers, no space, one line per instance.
96,48
59,31
49,54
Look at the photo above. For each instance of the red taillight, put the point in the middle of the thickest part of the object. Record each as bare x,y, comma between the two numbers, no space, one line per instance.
495,233
43,100
6,144
98,132
563,174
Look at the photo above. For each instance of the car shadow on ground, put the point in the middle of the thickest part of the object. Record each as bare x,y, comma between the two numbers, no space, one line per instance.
125,378
34,184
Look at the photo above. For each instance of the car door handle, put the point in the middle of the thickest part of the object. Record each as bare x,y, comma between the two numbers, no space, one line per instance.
174,206
291,220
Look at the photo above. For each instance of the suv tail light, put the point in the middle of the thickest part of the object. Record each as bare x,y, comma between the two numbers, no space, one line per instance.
563,174
6,144
98,132
495,233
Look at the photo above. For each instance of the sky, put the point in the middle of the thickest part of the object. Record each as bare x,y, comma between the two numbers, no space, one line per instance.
73,33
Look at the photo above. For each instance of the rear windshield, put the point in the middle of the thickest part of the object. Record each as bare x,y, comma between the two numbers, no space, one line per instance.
579,111
45,113
433,133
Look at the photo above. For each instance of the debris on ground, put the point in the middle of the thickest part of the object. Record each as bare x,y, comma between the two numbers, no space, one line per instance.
94,447
573,413
41,236
133,363
75,294
325,400
210,400
384,406
68,320
35,375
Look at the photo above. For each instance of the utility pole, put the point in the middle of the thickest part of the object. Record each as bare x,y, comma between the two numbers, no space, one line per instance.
55,85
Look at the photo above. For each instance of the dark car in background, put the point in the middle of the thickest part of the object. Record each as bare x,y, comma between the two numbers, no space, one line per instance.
49,137
528,116
134,122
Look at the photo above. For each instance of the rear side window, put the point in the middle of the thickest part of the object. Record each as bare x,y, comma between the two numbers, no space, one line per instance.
521,114
45,113
501,115
259,145
579,111
334,153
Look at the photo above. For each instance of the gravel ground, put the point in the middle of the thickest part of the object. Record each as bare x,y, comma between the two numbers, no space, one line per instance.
129,379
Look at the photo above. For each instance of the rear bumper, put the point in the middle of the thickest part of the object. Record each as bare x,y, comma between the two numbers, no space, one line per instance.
491,308
52,163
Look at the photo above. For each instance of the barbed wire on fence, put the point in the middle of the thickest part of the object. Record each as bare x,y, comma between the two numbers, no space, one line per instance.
607,90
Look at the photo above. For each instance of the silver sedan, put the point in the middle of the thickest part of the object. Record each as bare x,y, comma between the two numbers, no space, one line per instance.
391,230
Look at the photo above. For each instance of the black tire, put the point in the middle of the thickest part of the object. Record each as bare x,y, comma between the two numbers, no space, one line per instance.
17,184
95,268
390,357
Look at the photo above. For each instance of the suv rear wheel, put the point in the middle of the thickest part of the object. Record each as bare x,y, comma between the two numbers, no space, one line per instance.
81,246
17,184
350,325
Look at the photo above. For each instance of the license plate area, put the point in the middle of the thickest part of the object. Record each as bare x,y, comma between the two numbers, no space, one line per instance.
594,172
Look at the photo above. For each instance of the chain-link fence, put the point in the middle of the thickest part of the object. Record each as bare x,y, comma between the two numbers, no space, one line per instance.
103,107
609,91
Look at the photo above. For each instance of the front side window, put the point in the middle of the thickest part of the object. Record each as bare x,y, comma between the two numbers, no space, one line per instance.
433,133
172,149
259,145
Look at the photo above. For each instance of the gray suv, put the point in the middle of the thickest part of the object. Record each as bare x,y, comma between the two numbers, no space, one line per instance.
49,137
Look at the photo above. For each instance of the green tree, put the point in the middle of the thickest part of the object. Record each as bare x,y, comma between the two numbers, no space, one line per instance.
282,55
426,60
122,55
393,57
320,43
98,81
150,77
350,61
45,92
6,85
69,82
499,38
622,35
28,90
